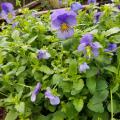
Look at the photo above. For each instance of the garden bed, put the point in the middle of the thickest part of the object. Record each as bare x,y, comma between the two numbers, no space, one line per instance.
61,65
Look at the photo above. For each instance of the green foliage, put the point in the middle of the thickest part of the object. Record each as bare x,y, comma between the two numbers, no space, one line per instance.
83,96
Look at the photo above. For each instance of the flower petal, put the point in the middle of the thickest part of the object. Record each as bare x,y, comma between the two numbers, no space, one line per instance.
87,39
55,100
81,47
33,97
96,45
76,6
65,34
95,52
83,67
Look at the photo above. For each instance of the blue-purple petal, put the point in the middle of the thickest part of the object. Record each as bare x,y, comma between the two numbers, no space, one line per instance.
81,47
91,1
33,97
87,39
7,7
83,67
35,92
96,45
76,6
55,101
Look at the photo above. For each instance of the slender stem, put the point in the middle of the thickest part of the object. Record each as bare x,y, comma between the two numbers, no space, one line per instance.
111,105
24,85
3,94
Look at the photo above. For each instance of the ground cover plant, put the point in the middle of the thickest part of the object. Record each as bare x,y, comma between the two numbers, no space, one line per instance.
63,65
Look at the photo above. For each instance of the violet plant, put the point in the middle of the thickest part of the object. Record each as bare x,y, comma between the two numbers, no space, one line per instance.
74,75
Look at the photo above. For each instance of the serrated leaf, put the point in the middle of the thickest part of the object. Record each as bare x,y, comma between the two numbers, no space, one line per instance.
78,104
11,115
58,116
91,72
46,69
56,78
72,67
101,85
20,107
20,70
15,35
98,107
77,86
112,31
32,39
116,106
111,69
115,88
91,84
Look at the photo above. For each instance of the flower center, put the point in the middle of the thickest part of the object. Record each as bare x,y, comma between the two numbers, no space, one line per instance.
64,27
10,15
88,51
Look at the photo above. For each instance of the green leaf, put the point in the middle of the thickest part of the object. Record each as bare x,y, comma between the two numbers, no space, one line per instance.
101,116
96,107
112,31
15,35
111,69
72,67
116,106
115,87
11,115
46,69
77,86
20,70
91,84
56,79
69,110
100,96
78,104
58,116
101,85
91,72
32,39
20,107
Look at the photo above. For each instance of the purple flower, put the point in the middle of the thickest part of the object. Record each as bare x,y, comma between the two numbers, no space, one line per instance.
83,67
97,16
91,1
76,6
118,7
111,47
35,92
63,21
54,100
7,12
15,24
87,46
43,54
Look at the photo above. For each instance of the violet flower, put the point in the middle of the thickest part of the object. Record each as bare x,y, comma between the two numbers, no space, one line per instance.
43,54
87,46
83,67
35,92
63,21
76,6
54,100
118,7
111,47
7,12
91,1
97,17
15,24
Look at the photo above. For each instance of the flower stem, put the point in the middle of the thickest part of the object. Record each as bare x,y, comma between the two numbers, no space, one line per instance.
3,94
111,105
